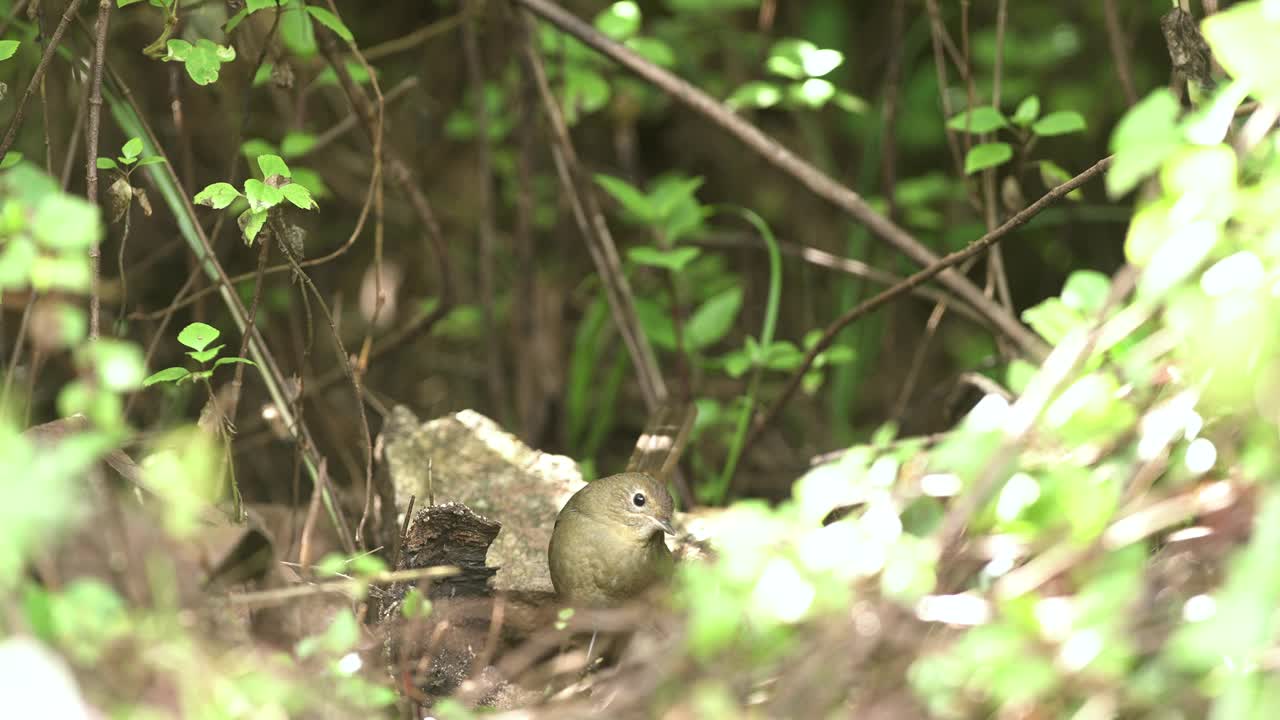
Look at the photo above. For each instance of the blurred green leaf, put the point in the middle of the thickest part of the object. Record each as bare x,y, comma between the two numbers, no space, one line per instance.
985,155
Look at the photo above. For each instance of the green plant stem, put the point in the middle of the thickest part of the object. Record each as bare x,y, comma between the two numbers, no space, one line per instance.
724,485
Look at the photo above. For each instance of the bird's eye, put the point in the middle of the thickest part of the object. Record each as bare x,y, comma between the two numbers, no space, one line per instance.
638,499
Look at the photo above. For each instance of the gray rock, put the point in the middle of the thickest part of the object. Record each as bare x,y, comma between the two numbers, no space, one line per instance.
477,463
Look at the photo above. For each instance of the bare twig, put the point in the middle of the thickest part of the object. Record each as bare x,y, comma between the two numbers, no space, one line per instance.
1119,52
91,155
485,235
595,231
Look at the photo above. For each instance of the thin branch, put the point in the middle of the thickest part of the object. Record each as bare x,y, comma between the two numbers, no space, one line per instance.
499,397
1119,52
595,231
91,157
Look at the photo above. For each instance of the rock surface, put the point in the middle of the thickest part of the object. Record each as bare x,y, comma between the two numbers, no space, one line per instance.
475,462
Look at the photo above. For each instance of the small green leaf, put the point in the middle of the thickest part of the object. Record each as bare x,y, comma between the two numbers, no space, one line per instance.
812,93
296,143
654,50
260,195
331,21
251,222
1143,138
217,196
713,319
132,149
198,335
10,159
105,163
1027,112
978,120
167,375
230,360
66,222
153,160
118,365
299,196
1059,123
986,155
630,197
1086,291
179,49
674,260
620,20
273,165
756,94
204,356
8,48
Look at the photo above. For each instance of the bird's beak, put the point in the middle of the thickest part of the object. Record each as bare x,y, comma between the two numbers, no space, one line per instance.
663,525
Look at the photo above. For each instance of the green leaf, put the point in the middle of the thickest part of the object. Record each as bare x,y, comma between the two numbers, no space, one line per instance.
713,319
298,195
812,93
260,195
66,222
757,94
1053,319
8,48
198,335
978,120
132,149
630,197
153,160
296,143
17,257
1086,291
654,50
1027,112
251,222
800,59
231,360
179,50
1143,138
674,260
10,159
118,365
105,163
331,21
167,375
1243,39
986,155
656,322
203,60
217,196
273,165
1059,123
620,20
204,356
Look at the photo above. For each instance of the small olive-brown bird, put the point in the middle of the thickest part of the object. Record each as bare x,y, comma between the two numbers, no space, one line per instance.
607,546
